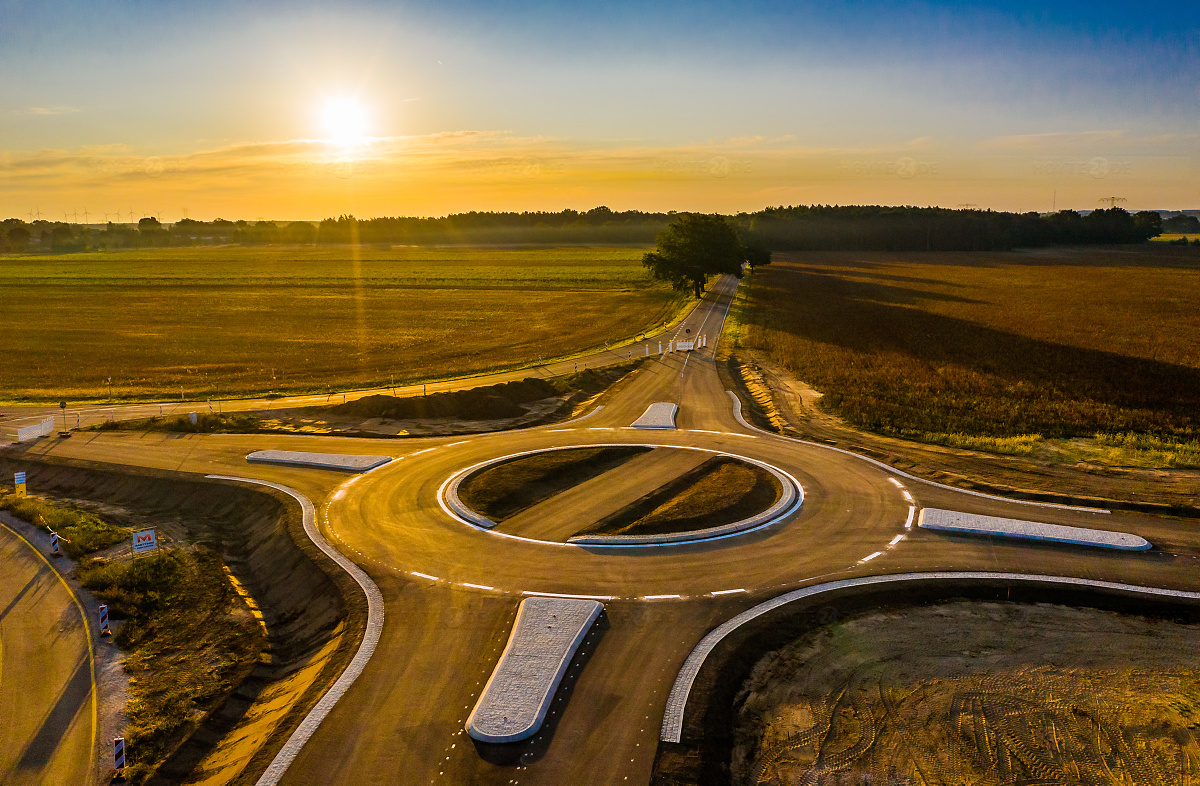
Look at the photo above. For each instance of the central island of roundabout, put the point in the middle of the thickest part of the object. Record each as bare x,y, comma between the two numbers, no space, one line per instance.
621,495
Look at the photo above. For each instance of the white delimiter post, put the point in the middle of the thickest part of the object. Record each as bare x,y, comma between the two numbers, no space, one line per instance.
660,347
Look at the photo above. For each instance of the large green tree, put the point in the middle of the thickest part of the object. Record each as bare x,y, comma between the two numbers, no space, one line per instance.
693,247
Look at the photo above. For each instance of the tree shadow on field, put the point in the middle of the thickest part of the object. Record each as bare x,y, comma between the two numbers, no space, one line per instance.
900,353
526,752
1145,255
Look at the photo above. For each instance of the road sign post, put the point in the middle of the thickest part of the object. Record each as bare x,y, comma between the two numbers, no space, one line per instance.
144,541
119,756
19,483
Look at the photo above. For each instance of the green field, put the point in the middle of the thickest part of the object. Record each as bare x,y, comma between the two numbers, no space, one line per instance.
951,348
236,320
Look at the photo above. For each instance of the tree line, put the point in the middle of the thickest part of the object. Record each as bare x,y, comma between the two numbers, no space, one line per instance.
791,228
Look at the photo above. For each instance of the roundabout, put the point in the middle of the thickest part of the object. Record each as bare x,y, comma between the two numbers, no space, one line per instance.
451,585
784,499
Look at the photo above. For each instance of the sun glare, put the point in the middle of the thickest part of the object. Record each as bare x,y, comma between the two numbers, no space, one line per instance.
344,121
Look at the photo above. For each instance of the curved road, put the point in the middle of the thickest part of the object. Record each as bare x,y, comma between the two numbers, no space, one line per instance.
47,689
451,591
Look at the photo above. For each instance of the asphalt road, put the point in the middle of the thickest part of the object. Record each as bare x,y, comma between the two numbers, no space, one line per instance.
47,694
451,591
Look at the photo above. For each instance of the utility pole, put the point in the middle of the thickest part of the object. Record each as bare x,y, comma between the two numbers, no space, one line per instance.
1112,201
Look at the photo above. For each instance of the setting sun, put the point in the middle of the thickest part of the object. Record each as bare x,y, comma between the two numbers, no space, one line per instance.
344,121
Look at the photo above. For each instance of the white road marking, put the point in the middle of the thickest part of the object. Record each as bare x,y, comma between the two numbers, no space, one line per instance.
747,436
425,575
704,431
567,595
661,597
897,483
726,592
601,428
896,540
426,450
452,444
870,557
477,586
559,430
911,513
908,497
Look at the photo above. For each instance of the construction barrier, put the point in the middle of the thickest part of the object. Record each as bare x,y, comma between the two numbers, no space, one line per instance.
119,756
104,629
42,429
19,483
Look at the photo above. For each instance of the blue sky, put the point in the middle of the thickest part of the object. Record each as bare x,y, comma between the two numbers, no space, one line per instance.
1007,105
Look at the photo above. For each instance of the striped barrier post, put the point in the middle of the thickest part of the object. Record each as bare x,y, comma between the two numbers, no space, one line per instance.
55,549
119,756
104,629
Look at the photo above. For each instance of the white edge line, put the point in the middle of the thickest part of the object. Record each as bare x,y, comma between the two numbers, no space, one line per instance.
661,597
896,540
897,483
425,575
308,726
726,592
737,413
870,557
426,450
912,511
477,586
907,497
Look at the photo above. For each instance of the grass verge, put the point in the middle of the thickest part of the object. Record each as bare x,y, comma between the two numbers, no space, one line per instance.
189,637
80,532
720,491
505,489
190,641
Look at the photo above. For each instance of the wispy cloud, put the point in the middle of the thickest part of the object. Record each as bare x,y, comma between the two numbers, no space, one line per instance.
44,111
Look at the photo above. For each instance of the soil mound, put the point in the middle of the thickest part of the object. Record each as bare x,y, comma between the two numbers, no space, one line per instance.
485,403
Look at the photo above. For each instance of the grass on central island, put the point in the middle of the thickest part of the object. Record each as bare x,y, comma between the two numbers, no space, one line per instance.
503,490
720,491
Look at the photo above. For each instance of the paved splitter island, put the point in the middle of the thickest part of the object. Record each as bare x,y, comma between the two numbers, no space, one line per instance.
659,416
544,638
974,524
340,461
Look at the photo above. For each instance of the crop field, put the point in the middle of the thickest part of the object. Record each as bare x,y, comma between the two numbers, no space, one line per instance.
982,693
236,320
1000,347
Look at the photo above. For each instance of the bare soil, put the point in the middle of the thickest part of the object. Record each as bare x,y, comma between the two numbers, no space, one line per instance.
503,490
976,692
720,491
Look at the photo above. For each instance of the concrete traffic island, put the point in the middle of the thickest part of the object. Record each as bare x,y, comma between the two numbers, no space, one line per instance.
660,416
545,636
973,524
339,461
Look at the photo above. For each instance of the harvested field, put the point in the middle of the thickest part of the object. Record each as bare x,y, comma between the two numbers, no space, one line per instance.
973,350
979,693
720,491
504,489
238,320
